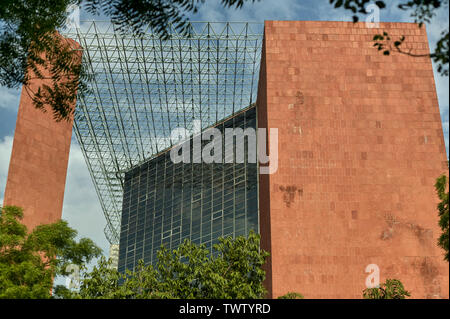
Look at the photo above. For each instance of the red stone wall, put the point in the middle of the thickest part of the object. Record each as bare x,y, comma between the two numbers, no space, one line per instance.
360,147
38,165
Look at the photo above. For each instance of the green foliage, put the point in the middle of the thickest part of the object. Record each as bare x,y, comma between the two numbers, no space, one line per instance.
30,49
443,208
28,40
422,11
441,53
391,289
356,6
158,15
292,295
188,272
102,283
30,261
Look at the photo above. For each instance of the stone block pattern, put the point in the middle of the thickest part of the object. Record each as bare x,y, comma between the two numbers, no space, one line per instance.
360,147
38,166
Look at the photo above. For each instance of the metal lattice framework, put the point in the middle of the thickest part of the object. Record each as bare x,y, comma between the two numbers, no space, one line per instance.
144,87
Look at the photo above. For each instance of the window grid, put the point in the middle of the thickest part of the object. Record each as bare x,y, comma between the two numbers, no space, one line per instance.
165,203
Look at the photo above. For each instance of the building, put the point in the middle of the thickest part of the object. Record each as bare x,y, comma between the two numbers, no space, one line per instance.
360,144
165,203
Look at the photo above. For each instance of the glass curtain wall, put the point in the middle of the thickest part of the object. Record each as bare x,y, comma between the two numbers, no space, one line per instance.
165,203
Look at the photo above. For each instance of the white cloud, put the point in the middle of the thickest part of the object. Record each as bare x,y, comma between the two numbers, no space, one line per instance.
445,126
213,10
81,206
5,155
434,30
434,33
9,98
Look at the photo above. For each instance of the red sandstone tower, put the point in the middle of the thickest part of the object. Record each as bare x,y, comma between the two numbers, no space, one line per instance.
39,158
360,147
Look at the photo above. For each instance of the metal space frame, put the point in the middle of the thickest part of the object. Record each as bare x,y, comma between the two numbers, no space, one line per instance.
143,87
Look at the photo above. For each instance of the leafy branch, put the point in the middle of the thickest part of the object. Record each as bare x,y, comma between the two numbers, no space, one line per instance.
423,11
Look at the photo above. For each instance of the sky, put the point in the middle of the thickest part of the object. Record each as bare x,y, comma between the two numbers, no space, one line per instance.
81,206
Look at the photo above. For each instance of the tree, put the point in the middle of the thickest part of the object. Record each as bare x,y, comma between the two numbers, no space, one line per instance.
188,272
28,45
30,260
292,295
443,208
422,11
30,48
391,289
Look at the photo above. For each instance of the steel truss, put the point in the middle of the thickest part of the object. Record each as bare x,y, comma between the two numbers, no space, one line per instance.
144,87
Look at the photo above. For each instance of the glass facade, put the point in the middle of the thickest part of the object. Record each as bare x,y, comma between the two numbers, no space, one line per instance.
165,203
